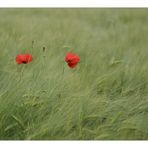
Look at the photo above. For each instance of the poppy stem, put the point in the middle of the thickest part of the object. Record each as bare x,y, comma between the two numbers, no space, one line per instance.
62,80
44,57
63,71
21,73
32,45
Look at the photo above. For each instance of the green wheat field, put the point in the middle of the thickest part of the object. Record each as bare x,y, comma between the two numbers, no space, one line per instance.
105,97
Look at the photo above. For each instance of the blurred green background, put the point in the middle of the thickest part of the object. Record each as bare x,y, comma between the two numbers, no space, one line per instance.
104,98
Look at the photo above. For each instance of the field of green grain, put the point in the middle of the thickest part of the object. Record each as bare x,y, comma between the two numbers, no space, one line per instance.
104,98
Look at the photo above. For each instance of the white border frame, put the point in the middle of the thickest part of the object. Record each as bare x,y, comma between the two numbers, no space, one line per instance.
74,3
74,144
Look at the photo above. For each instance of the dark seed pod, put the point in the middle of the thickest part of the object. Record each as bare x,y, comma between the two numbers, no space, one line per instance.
43,49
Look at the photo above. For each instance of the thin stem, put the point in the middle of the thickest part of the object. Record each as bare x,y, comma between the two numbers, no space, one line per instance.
63,71
44,57
32,46
21,73
62,80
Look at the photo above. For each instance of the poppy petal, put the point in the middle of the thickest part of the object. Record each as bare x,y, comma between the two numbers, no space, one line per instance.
28,58
23,59
72,59
19,58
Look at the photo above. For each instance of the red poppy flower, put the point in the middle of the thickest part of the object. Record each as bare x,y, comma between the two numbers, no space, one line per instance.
72,59
23,59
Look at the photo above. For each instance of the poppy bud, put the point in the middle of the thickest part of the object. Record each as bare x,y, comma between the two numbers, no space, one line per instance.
43,49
